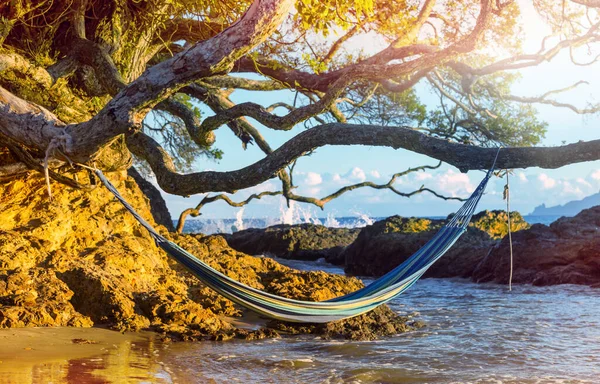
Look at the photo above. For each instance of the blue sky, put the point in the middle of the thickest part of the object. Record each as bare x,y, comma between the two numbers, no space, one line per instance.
331,167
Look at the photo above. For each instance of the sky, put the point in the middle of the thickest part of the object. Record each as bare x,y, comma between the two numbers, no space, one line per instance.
330,168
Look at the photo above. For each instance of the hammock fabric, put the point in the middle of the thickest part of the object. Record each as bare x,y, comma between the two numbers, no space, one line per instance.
353,304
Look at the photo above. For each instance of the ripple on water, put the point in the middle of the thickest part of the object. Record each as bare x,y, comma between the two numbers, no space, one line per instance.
476,333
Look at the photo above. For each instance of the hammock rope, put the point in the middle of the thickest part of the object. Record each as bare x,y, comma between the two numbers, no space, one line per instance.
382,290
507,197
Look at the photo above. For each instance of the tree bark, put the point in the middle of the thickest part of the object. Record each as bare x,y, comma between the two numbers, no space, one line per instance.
38,128
158,206
464,157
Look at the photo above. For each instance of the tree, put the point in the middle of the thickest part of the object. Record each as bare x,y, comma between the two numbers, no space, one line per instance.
104,83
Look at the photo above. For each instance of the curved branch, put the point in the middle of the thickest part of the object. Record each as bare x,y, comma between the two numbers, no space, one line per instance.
86,52
194,212
126,111
527,60
284,123
320,202
218,102
375,67
543,100
189,30
464,157
287,188
588,3
243,83
338,44
203,139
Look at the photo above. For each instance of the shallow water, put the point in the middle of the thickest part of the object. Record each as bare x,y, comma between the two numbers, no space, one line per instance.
80,355
478,333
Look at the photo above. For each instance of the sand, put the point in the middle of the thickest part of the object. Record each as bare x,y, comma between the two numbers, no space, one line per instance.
80,355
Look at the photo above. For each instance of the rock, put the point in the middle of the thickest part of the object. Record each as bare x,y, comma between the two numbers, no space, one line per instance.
566,252
90,263
266,274
495,223
80,260
387,243
37,298
300,242
381,321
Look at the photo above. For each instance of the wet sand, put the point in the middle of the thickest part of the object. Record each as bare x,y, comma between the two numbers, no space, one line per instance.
81,355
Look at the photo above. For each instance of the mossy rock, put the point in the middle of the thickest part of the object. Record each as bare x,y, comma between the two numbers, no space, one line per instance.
495,223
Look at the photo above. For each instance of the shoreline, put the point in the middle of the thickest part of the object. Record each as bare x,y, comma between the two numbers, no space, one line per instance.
86,355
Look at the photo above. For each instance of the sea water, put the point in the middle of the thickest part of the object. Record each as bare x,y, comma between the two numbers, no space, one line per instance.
475,333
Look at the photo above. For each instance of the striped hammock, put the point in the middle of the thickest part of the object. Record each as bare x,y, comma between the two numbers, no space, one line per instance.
353,304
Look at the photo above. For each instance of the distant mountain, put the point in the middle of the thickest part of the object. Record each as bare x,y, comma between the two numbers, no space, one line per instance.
571,208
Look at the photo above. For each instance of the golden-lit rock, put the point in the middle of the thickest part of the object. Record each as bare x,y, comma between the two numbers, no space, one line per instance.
81,259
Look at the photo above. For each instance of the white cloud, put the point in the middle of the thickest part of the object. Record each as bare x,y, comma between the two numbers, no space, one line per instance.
522,177
570,190
583,182
336,178
596,175
375,174
313,178
423,176
547,181
357,174
454,183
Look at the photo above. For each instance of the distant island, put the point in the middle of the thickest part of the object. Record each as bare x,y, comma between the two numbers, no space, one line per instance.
571,208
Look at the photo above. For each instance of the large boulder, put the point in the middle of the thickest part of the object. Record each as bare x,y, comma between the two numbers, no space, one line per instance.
387,243
566,252
300,242
81,259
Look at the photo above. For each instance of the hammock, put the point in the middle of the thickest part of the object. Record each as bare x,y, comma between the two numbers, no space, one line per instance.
353,304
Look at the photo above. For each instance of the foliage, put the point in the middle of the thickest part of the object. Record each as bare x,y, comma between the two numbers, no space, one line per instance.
418,64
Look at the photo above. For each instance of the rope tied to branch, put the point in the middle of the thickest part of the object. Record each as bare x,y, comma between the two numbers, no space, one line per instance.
506,196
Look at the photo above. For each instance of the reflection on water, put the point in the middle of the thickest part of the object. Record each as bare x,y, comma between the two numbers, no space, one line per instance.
477,333
79,355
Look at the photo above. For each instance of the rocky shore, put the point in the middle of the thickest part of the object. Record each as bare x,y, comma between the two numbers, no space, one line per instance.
299,242
378,248
81,260
385,244
566,252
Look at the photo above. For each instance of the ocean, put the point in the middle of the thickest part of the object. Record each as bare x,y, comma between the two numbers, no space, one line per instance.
475,333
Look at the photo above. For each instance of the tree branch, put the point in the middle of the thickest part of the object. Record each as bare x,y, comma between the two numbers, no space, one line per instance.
126,111
289,195
464,157
243,83
320,202
284,123
195,212
543,100
588,3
